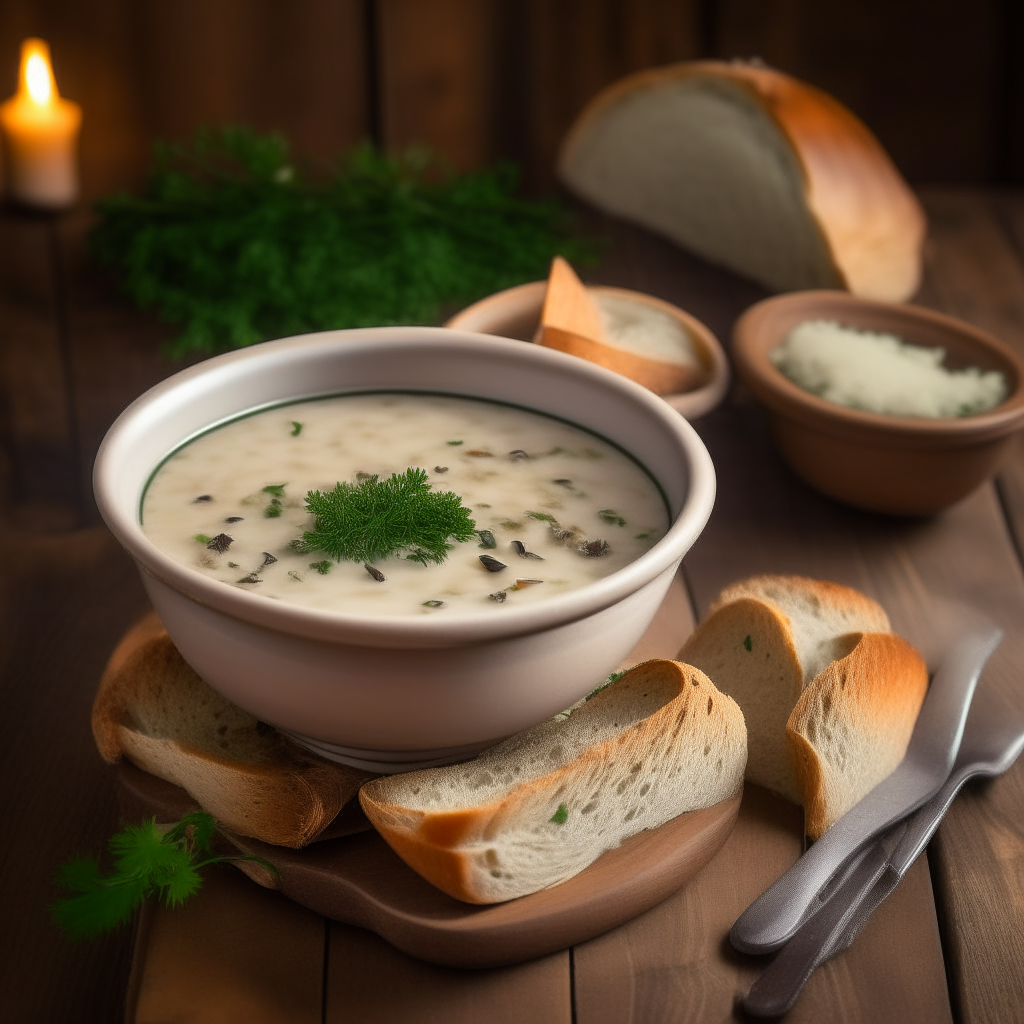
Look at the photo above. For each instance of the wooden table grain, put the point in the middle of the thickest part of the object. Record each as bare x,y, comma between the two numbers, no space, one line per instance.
948,946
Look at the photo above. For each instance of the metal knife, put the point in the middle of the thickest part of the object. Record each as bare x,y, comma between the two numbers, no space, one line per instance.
993,739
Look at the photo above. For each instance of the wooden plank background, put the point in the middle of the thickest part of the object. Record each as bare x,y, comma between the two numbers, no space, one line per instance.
481,80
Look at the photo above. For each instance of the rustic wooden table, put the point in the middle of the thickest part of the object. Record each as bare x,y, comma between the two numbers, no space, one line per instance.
949,945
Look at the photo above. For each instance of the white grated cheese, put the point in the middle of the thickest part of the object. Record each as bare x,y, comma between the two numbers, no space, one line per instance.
881,373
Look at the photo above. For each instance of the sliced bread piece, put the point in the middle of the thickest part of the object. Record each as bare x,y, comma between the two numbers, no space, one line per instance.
153,709
851,726
753,170
568,306
830,696
642,340
538,808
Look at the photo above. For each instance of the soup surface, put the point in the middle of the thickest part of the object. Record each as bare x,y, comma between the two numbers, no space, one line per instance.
554,507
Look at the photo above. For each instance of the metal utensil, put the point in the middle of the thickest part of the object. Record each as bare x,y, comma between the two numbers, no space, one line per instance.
993,739
774,916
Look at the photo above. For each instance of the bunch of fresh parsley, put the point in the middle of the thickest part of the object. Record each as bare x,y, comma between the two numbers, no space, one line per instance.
229,240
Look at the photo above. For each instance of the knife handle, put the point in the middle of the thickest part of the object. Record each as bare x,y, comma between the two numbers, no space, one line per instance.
831,930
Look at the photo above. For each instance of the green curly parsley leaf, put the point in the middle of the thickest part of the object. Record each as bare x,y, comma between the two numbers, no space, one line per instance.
147,861
372,519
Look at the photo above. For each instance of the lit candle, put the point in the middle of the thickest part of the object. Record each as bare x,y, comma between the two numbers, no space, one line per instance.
40,132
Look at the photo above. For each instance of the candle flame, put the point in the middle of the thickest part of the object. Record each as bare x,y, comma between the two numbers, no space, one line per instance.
36,76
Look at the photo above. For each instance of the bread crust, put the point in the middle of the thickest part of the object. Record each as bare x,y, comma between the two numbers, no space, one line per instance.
153,709
836,598
660,377
871,224
454,848
851,726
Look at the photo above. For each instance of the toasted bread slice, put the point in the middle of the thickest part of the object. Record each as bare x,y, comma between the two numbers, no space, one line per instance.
830,696
619,333
155,710
538,808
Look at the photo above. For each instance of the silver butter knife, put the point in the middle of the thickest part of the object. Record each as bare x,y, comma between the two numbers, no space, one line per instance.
993,739
775,916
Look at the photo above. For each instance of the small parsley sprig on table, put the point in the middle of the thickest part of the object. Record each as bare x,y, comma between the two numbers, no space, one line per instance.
375,518
148,860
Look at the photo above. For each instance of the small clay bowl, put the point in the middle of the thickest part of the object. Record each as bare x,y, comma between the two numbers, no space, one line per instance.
902,465
515,313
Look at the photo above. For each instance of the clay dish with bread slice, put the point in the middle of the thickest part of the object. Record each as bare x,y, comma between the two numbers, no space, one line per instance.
692,391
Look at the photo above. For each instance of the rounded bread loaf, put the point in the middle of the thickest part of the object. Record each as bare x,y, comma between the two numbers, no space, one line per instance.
538,808
830,695
753,170
153,709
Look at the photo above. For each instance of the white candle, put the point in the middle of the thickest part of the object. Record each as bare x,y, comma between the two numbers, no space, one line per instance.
40,131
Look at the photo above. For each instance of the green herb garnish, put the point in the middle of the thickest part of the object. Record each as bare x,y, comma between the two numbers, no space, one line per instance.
454,443
277,490
370,520
604,686
202,538
235,244
322,567
147,861
542,516
296,428
611,516
561,816
273,510
747,643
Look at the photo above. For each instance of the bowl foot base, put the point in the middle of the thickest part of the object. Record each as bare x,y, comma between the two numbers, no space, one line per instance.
388,762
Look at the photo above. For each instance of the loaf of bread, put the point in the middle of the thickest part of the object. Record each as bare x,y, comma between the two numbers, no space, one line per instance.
573,321
753,170
830,695
538,808
154,710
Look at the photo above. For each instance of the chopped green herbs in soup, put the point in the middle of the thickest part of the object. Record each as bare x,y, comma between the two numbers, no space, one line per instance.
400,504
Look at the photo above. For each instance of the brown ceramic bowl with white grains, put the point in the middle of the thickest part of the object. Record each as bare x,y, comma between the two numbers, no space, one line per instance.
901,465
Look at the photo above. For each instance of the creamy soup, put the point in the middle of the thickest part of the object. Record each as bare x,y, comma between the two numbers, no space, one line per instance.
553,507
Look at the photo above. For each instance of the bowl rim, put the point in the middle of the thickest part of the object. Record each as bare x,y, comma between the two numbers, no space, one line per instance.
693,403
405,631
752,344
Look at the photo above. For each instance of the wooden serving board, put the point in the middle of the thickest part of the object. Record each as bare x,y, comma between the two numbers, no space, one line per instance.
354,877
357,879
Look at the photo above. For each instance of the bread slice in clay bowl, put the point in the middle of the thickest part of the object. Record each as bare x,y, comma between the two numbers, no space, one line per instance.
753,170
574,320
829,694
540,807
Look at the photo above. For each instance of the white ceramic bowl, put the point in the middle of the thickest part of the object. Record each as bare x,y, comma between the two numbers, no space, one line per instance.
515,313
393,693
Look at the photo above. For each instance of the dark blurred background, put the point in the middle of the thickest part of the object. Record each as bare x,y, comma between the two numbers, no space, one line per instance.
478,80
